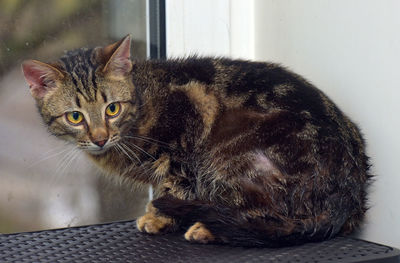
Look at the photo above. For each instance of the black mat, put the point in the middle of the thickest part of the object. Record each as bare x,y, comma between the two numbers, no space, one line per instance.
121,242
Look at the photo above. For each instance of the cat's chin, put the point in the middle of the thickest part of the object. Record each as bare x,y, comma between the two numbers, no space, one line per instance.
97,152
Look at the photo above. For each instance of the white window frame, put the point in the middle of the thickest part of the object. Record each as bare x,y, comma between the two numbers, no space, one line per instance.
210,28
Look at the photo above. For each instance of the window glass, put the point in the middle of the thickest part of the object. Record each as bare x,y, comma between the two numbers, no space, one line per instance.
44,183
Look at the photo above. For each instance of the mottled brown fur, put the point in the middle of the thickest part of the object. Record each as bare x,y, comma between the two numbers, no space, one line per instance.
239,152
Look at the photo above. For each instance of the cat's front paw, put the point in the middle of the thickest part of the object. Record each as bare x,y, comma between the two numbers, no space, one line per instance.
199,233
154,224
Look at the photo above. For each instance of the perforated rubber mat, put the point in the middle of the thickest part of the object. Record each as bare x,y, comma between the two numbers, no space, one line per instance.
121,242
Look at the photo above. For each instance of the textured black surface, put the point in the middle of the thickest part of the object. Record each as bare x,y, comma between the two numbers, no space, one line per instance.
121,242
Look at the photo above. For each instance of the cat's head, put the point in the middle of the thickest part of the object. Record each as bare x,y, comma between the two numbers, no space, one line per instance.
87,97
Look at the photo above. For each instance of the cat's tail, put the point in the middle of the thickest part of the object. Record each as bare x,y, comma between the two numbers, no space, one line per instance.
237,228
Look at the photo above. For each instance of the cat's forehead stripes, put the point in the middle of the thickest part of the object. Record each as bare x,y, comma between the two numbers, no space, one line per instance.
104,96
81,66
77,101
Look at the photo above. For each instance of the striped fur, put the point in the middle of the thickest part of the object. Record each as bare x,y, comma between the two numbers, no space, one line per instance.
245,153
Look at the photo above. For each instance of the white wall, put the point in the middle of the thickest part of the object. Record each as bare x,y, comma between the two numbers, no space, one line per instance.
350,49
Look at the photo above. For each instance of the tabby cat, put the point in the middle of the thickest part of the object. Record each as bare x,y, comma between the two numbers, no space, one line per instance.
244,153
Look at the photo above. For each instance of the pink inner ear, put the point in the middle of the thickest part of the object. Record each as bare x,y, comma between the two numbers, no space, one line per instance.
121,65
32,74
124,50
120,62
37,76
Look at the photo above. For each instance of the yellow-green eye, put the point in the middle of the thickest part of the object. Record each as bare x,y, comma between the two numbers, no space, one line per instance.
74,117
113,109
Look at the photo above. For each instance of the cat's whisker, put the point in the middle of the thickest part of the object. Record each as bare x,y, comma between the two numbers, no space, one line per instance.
152,139
143,104
123,152
117,149
62,160
142,150
128,149
70,155
126,153
61,163
55,149
50,155
66,160
149,140
73,156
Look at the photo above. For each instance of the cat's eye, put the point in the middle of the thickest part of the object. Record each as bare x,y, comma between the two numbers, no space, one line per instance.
113,109
74,117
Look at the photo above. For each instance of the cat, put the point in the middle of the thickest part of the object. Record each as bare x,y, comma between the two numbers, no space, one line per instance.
242,153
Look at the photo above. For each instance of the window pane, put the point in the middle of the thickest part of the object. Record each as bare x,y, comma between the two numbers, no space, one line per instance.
44,183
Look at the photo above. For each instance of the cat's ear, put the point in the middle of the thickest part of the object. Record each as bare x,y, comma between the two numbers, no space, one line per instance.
118,57
41,77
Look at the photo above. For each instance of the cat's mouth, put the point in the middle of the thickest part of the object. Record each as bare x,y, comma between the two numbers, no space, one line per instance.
98,148
94,149
97,151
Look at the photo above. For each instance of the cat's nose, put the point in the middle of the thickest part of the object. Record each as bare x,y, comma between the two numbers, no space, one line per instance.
100,143
99,136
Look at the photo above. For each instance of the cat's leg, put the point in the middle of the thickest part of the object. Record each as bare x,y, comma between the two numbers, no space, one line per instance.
199,233
154,223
